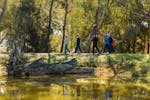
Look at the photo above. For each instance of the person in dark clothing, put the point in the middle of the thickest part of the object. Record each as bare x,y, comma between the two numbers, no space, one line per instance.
78,45
111,44
95,41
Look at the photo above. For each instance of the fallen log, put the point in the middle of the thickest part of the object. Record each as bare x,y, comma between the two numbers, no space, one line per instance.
38,67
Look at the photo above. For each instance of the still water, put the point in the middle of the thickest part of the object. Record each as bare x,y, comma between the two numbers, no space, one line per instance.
74,87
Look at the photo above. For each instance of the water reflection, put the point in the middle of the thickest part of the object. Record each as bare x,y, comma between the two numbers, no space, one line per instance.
2,90
73,87
65,90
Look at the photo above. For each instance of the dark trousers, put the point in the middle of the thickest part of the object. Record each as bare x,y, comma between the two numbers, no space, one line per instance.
95,46
112,49
66,49
78,47
108,47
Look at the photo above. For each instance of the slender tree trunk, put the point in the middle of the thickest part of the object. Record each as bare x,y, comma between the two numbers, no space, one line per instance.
3,9
64,26
49,26
148,46
129,46
49,30
144,41
134,43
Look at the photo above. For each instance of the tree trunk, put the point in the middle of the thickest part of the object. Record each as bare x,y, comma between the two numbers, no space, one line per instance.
64,26
49,29
144,43
49,26
15,56
3,9
148,46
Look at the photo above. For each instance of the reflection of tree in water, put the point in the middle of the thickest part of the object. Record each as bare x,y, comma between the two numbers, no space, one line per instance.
121,88
113,88
68,90
95,90
78,90
14,92
65,90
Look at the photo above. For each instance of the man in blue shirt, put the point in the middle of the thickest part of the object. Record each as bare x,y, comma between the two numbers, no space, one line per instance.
107,43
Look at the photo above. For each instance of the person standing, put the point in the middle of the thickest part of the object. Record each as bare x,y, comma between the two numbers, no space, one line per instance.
112,42
95,41
78,45
107,44
66,45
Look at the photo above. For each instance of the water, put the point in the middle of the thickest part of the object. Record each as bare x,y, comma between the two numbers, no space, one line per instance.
74,87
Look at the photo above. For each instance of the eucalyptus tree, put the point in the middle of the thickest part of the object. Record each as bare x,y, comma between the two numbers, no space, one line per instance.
24,35
28,24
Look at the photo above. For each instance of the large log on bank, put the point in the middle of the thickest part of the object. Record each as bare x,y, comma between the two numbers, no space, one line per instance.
38,67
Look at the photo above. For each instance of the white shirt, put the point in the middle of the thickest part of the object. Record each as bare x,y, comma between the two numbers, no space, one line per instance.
66,40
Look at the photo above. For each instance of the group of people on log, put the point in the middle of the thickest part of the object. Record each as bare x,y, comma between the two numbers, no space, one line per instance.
108,44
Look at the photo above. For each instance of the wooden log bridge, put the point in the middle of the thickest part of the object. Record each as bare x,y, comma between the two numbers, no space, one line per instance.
38,67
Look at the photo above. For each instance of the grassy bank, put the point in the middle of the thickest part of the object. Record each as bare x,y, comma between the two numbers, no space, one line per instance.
135,63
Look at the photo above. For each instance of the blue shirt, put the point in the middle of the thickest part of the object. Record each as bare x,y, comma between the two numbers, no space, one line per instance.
107,41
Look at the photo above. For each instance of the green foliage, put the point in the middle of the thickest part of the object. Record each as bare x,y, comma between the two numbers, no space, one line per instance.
29,18
27,23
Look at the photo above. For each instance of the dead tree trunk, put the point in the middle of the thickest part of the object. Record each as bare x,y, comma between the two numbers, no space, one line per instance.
64,26
3,9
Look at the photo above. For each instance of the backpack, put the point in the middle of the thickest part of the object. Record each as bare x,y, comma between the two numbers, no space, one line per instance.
113,42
